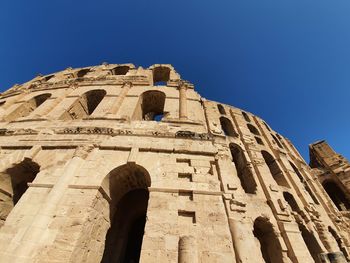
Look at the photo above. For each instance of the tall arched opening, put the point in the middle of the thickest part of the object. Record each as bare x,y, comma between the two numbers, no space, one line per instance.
338,241
120,70
253,129
270,247
161,75
81,73
221,109
291,201
14,183
127,187
227,127
311,243
28,107
246,116
302,180
277,141
337,195
274,168
150,106
308,237
244,173
85,105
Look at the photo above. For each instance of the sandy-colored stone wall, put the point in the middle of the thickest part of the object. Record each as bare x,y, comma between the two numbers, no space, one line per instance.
115,163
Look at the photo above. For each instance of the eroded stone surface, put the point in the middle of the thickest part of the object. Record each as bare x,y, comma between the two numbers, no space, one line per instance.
114,163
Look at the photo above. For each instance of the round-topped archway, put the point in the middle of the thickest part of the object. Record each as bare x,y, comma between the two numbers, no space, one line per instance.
127,188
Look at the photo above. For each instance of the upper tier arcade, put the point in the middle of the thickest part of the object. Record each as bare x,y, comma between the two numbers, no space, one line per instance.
149,100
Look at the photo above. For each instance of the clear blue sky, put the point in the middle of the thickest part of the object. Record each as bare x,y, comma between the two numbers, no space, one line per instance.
286,61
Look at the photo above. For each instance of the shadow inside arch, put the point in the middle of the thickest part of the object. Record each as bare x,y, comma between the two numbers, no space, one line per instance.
14,183
127,188
270,246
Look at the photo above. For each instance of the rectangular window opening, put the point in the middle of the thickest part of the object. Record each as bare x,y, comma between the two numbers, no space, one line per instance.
188,195
187,216
185,177
183,160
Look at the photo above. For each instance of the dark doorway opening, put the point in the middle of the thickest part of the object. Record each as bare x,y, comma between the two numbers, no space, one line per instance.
337,195
133,247
14,183
124,238
269,245
311,242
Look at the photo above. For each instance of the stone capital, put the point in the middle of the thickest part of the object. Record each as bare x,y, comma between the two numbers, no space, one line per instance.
182,85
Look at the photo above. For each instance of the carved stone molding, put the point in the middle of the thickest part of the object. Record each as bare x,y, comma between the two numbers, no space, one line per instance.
193,135
87,130
27,131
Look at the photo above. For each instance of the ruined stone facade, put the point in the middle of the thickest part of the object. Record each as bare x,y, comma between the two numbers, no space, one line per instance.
115,163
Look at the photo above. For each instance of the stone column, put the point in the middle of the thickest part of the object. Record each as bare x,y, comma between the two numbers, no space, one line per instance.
188,250
241,241
37,234
183,101
116,105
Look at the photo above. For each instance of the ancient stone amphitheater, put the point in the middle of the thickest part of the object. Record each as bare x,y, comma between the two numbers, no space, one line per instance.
115,163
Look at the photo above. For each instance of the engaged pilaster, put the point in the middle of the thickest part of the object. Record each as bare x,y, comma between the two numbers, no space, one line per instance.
188,250
125,89
183,100
38,231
